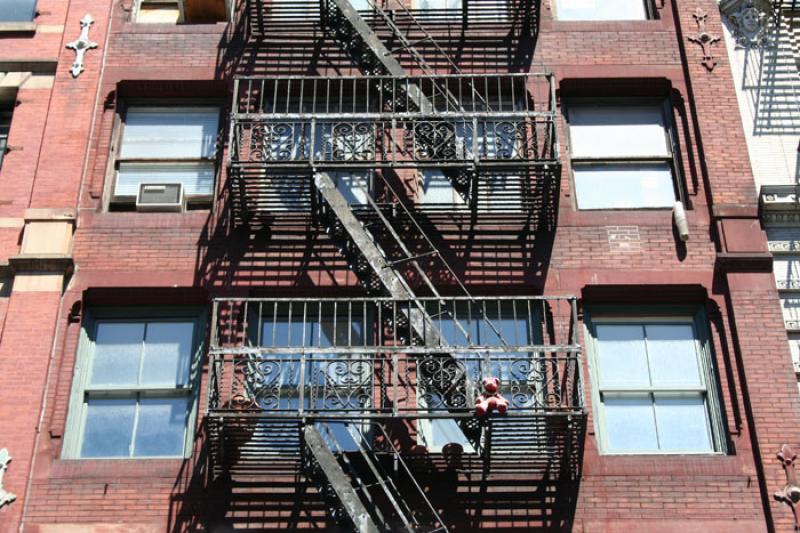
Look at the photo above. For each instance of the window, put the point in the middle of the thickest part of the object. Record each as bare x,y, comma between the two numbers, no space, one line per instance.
5,126
158,12
167,145
17,10
133,394
653,387
787,271
330,382
470,325
175,11
436,188
438,4
601,9
622,156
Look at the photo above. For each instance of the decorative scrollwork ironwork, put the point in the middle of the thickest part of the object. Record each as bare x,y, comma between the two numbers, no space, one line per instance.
435,140
279,141
351,141
441,383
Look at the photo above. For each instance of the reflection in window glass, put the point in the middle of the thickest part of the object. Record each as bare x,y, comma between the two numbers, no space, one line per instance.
652,390
601,10
17,10
137,399
621,156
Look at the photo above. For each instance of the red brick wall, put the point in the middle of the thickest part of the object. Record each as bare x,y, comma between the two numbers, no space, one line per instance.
200,250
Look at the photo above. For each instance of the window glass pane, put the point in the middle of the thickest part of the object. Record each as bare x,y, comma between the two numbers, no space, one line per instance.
5,126
601,10
794,348
630,426
170,133
444,431
354,186
17,10
336,333
161,430
682,424
622,357
437,4
617,131
438,189
197,178
791,312
167,351
787,271
624,186
672,351
158,13
117,353
109,427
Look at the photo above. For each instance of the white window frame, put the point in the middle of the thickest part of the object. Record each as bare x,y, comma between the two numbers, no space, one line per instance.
709,389
81,388
648,7
670,159
117,159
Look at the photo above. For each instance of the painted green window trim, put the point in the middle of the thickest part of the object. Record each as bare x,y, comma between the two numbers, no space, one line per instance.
73,437
693,315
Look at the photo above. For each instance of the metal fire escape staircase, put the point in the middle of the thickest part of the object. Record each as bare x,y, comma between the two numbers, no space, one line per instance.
363,43
338,474
376,491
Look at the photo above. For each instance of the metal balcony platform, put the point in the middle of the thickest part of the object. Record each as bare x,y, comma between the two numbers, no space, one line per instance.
270,17
493,136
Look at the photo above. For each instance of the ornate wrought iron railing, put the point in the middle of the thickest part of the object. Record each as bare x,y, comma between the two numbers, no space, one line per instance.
373,122
359,358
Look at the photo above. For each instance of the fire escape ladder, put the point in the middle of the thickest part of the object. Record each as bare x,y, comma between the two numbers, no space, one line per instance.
423,324
375,488
359,36
440,98
337,480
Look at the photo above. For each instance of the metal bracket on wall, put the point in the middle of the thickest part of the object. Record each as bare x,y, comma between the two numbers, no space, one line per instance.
81,45
5,496
704,39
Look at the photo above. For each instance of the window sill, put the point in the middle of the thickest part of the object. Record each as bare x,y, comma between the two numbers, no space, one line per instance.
17,27
621,217
626,26
116,468
167,27
655,464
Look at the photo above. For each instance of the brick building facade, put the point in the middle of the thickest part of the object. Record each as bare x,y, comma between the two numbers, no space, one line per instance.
379,207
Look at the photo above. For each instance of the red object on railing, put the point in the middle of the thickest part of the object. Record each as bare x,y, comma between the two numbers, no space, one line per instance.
491,399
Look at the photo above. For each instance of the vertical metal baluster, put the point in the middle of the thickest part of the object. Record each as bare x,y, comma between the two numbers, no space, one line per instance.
274,321
289,325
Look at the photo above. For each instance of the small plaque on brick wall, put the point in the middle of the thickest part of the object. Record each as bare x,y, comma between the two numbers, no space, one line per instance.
624,238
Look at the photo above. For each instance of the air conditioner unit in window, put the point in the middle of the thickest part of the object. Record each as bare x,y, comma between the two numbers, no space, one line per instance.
160,197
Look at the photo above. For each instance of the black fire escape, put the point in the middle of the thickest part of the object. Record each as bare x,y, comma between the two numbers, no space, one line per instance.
337,382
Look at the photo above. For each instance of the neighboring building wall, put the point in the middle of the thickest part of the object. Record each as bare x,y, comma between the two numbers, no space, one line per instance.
765,60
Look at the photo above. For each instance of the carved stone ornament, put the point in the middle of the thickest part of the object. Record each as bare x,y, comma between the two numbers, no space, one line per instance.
748,21
704,39
5,496
790,493
82,45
